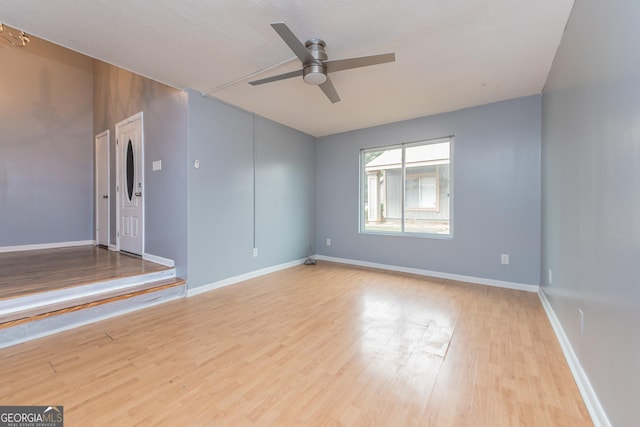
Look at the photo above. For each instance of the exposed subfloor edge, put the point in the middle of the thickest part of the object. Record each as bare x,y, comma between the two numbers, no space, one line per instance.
74,292
62,322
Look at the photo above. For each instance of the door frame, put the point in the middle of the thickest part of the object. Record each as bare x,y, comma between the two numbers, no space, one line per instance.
119,125
107,135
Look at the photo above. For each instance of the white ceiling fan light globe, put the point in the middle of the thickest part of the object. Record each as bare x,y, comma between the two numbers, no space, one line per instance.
315,78
314,74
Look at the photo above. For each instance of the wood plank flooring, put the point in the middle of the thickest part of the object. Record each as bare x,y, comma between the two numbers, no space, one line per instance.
28,272
324,345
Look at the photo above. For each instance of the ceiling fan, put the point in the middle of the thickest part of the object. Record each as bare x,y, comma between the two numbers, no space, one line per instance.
315,65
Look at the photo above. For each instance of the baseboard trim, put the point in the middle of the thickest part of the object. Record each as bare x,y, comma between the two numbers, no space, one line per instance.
113,248
438,274
159,260
241,278
38,246
598,415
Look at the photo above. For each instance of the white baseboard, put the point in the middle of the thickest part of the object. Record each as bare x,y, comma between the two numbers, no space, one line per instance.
159,260
38,246
440,275
241,278
113,248
598,415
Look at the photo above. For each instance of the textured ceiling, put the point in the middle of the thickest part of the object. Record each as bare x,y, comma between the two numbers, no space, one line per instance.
450,54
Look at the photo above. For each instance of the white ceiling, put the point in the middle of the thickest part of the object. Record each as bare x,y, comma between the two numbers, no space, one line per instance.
450,54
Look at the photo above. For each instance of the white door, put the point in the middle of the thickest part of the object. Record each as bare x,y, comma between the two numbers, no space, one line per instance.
102,188
130,187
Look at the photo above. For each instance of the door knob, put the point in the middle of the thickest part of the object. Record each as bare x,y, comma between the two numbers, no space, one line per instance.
105,196
139,194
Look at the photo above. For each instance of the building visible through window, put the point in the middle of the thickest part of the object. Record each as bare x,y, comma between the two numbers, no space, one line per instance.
407,188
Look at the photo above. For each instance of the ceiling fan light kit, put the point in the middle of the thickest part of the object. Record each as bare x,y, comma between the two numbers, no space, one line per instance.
316,72
315,63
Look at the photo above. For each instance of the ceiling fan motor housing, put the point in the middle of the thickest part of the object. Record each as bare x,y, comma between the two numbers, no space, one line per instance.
315,73
315,65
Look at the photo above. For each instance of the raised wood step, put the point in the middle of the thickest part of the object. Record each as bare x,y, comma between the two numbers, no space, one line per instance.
31,321
68,305
39,271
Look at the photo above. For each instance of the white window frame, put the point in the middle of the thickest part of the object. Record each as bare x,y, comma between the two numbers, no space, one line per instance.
363,183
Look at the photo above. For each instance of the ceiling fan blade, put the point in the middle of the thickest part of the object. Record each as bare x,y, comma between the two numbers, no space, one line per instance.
289,75
363,61
330,91
293,42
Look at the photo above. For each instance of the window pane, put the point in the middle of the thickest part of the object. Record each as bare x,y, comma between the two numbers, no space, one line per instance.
392,204
407,188
428,194
130,170
412,193
383,190
427,188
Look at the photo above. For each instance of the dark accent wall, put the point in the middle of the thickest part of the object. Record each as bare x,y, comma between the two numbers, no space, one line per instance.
46,145
119,94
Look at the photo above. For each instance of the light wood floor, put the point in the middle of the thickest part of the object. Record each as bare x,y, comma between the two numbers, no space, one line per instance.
322,345
29,272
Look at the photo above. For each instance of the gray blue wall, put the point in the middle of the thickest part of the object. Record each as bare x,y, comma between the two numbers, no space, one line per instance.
119,94
46,145
285,193
246,192
496,194
591,197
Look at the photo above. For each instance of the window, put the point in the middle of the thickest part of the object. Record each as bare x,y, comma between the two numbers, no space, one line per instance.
406,189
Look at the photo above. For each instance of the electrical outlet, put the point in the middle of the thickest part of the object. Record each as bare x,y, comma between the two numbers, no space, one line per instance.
255,251
504,258
550,276
328,242
581,319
